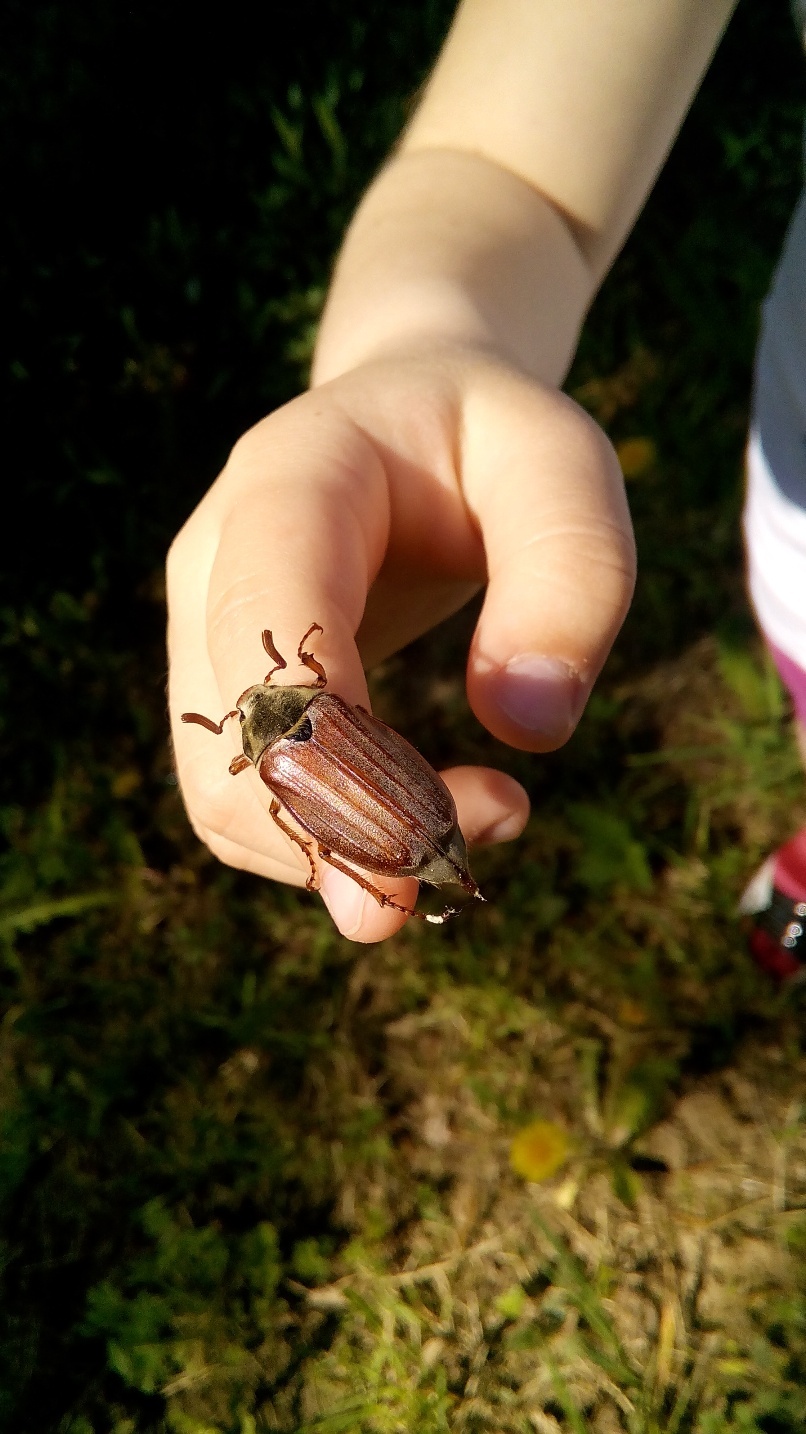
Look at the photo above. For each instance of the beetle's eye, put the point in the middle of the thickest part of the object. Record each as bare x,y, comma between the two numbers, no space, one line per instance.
303,733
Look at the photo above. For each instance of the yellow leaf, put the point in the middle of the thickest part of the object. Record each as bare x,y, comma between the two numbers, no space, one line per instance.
510,1304
126,782
667,1334
632,1013
629,1112
539,1150
636,456
735,1367
566,1193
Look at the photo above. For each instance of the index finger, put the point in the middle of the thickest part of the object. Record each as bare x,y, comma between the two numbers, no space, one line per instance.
302,534
292,533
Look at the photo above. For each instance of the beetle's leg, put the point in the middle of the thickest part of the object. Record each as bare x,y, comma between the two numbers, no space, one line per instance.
312,884
380,896
308,660
216,727
239,764
277,657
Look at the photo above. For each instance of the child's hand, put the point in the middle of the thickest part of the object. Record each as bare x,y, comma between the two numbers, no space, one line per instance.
427,461
375,505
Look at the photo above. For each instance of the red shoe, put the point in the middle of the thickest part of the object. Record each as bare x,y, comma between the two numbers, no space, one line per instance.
776,899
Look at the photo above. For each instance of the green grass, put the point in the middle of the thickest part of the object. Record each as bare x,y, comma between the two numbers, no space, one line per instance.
253,1178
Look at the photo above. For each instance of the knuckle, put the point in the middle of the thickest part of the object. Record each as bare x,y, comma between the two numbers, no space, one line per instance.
178,556
238,608
611,550
209,804
592,446
606,553
222,850
603,545
246,449
246,461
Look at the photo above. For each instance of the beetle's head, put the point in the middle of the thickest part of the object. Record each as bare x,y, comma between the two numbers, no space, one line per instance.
268,713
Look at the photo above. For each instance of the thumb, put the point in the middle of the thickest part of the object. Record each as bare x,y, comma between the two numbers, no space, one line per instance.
546,488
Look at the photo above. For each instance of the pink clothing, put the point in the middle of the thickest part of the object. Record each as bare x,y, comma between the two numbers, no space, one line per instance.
793,678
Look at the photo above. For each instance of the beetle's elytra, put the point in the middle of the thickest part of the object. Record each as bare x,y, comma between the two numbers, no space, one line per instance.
358,788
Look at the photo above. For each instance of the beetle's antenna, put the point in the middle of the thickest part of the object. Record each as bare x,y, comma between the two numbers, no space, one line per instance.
215,727
277,657
308,660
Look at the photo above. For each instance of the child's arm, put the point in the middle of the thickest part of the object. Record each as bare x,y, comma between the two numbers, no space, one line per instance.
434,452
539,135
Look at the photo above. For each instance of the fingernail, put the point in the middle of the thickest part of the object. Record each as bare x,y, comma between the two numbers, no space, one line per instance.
541,694
343,898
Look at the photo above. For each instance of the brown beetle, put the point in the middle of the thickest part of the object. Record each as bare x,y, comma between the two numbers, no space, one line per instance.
363,793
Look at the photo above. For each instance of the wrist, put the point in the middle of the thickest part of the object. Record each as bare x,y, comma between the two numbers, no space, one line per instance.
449,249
